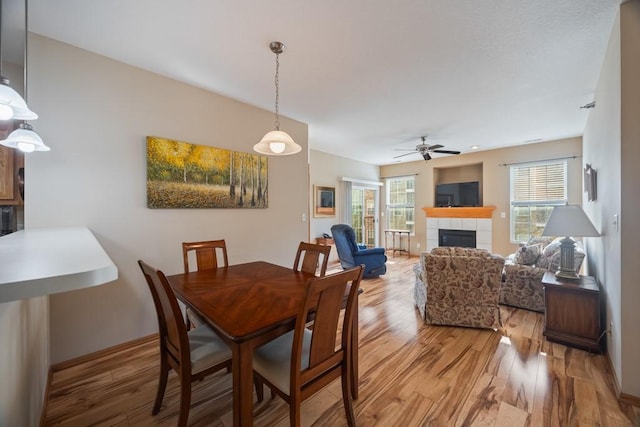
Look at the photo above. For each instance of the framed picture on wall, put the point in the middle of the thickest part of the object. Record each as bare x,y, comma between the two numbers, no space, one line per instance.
324,201
591,183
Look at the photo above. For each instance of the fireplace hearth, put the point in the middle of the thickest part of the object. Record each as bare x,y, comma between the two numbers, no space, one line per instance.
461,238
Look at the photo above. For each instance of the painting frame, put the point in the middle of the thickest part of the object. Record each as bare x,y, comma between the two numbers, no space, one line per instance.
324,201
185,175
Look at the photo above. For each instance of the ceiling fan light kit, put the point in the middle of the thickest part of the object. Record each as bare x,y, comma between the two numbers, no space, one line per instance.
425,150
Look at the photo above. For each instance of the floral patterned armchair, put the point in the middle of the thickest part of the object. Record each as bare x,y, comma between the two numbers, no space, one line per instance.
459,287
523,272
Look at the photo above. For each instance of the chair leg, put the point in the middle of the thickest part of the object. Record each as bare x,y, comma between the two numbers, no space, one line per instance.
257,382
185,401
294,412
162,385
187,321
347,397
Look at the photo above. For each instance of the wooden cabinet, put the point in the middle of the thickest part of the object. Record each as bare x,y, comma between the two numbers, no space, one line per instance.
11,161
572,311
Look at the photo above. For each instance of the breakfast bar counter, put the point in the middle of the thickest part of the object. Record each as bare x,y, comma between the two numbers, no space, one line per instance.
44,261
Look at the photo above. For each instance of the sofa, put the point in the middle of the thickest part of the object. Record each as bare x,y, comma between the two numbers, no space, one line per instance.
459,287
523,272
351,254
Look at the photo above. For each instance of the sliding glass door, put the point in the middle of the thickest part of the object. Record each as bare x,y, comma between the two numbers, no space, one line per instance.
364,214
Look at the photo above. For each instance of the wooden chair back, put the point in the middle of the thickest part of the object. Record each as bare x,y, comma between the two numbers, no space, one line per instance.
174,342
329,357
311,254
207,253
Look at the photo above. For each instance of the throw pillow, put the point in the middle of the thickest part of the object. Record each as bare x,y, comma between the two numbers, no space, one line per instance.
540,240
527,255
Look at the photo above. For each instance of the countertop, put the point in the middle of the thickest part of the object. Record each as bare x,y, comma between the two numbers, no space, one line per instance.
44,261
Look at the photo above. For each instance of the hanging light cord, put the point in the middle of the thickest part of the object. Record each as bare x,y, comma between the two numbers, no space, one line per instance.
277,82
26,46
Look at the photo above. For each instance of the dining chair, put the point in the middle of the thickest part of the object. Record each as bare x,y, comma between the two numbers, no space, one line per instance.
310,254
209,255
299,363
191,354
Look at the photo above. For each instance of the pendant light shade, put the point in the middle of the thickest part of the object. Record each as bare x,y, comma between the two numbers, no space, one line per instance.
25,140
277,142
12,106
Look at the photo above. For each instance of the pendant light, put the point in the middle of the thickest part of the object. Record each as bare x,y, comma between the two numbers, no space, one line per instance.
12,106
277,142
24,138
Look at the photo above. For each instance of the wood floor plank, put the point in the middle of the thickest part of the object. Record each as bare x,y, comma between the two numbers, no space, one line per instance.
411,374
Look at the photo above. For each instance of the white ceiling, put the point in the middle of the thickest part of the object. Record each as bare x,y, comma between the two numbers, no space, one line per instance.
368,76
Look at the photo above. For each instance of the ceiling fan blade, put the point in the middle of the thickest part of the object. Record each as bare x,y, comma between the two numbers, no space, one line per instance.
405,154
435,147
405,149
445,151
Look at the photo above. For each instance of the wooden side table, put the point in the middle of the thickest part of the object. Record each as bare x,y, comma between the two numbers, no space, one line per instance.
393,247
572,311
326,241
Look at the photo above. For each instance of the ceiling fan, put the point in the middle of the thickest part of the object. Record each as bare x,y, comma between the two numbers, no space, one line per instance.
425,149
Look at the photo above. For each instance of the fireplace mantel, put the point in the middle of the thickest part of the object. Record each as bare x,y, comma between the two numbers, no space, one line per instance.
474,212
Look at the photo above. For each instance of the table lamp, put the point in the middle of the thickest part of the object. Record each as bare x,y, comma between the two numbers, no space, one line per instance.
568,220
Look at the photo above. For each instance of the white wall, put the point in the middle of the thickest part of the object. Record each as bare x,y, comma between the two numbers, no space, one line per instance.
611,147
95,114
326,169
630,201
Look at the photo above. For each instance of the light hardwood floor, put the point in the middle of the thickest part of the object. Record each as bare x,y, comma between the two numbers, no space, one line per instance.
411,374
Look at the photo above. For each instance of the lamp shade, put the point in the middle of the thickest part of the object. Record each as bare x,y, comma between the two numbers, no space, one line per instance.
12,99
25,140
277,143
569,220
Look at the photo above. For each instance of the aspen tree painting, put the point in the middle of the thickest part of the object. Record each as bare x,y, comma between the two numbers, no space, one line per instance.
184,175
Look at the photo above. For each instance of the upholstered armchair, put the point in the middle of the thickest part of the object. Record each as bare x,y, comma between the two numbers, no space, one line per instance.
459,287
523,272
351,254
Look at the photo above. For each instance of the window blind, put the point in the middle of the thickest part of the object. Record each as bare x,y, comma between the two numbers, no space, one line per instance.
539,184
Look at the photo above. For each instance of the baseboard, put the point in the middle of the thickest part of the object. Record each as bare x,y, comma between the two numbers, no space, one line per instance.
43,412
630,400
622,397
101,353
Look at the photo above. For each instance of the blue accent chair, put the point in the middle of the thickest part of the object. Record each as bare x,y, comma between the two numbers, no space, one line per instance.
351,254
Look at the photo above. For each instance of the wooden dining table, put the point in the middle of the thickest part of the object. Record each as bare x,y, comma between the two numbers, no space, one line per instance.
248,305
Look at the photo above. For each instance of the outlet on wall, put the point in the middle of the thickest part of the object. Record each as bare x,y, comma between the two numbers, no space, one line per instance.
610,330
418,245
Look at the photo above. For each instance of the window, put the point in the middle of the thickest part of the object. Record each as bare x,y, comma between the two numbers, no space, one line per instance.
400,203
535,189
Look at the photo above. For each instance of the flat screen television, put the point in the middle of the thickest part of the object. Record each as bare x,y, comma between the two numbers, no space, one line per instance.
458,194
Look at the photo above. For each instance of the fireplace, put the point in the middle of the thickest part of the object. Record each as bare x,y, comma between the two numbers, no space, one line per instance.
478,220
462,238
